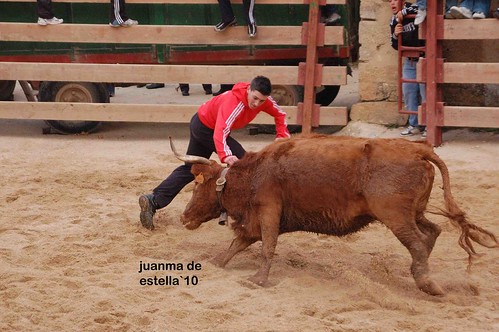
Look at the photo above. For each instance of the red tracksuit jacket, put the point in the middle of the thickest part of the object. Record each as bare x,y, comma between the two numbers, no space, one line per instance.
230,111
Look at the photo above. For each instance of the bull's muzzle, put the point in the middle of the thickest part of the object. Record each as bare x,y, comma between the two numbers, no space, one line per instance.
189,224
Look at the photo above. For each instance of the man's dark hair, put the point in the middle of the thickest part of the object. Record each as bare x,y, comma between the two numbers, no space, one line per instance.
261,84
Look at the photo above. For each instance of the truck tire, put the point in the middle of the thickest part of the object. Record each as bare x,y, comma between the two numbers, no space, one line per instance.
327,95
287,95
74,92
7,89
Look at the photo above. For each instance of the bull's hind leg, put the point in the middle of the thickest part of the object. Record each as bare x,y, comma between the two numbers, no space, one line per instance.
237,245
419,245
429,229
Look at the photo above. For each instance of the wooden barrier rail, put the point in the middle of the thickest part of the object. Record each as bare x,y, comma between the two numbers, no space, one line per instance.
148,112
128,73
163,34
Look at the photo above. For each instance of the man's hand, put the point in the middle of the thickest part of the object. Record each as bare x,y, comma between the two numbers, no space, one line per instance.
230,160
398,30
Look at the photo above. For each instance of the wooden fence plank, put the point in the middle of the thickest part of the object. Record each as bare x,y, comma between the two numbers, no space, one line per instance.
130,73
455,72
463,116
471,29
148,112
160,34
464,72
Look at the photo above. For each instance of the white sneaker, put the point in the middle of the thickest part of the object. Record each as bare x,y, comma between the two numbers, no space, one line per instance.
479,15
129,23
53,20
423,134
332,18
409,131
461,12
420,17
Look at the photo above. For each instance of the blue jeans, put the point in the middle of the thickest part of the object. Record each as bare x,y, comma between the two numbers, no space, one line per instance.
414,93
474,5
421,4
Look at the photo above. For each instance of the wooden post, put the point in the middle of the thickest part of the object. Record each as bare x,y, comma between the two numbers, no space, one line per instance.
310,65
433,53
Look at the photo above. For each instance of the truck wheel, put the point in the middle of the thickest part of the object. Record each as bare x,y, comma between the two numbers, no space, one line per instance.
287,95
73,92
6,90
327,95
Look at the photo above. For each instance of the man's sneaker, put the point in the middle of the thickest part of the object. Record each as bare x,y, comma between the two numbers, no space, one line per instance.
409,131
147,210
129,23
478,15
423,134
47,21
114,24
252,30
461,12
224,25
420,16
496,13
332,18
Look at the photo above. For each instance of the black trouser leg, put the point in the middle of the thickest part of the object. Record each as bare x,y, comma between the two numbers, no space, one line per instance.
200,144
249,9
44,9
226,10
117,11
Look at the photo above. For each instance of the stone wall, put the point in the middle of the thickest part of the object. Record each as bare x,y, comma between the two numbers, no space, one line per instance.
378,69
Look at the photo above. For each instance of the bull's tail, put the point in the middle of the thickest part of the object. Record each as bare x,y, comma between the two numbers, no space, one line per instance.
469,231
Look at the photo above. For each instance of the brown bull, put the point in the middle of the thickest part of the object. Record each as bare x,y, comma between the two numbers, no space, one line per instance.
329,185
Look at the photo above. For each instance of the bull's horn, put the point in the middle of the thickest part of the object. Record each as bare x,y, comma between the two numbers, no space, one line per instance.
187,158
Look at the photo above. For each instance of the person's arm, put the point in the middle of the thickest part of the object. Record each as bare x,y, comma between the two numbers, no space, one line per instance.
228,113
281,126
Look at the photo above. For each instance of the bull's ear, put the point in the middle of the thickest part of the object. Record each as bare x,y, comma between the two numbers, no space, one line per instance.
199,178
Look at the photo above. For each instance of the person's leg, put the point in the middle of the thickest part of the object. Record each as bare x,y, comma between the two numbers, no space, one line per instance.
249,9
421,15
200,144
410,91
464,9
184,88
207,89
226,10
118,12
44,9
481,6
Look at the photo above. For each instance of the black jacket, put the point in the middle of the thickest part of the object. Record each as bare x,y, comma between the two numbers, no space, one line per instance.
410,33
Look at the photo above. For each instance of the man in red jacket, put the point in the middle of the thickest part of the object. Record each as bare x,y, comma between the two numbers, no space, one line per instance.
210,131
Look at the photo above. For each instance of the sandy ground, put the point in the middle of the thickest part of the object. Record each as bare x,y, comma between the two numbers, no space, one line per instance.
71,244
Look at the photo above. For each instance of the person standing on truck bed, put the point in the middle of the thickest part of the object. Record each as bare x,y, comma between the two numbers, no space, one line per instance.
45,13
118,17
228,18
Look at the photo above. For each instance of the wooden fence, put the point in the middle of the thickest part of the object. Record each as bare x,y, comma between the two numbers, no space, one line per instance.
309,74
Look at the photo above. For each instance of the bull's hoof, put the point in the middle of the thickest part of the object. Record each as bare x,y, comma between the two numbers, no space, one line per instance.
256,279
430,287
218,262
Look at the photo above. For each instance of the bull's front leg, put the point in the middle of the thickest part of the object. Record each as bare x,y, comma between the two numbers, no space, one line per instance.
269,223
237,245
